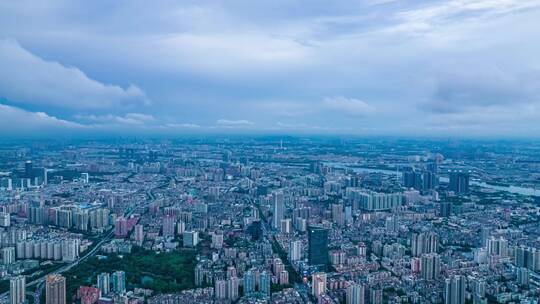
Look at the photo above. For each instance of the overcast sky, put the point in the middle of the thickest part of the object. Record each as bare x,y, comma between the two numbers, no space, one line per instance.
373,67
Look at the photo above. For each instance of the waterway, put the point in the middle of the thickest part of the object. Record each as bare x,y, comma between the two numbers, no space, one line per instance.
511,189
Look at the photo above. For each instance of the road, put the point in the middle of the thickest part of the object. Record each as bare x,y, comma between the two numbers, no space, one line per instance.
88,254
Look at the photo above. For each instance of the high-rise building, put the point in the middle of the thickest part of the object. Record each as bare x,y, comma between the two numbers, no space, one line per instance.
445,209
527,257
8,255
17,289
55,289
70,250
277,208
169,223
85,177
283,277
99,218
121,227
29,169
65,218
318,246
392,224
375,296
355,294
118,281
45,176
249,282
479,287
318,284
265,283
81,217
497,247
232,288
338,217
255,230
190,238
286,226
522,276
139,234
104,283
5,219
424,242
459,182
430,266
454,290
373,201
295,250
220,289
180,227
217,240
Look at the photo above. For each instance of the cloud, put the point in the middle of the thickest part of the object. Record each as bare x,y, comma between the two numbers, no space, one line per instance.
18,121
460,91
129,118
348,106
182,125
392,63
228,122
30,80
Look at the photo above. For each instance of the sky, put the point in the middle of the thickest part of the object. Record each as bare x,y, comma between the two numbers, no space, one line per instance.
372,67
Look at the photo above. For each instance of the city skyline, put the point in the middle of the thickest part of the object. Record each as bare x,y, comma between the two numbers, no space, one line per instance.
362,68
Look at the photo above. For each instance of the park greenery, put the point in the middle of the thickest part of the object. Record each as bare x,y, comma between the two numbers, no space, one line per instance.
160,271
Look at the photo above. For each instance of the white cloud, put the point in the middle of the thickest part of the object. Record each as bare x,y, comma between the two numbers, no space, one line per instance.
228,122
129,118
15,121
28,79
348,106
182,125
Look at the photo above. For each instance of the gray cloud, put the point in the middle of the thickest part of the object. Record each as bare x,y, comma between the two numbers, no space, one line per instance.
28,79
466,90
401,66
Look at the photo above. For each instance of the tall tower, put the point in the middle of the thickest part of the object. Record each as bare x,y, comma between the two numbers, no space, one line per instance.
318,246
29,169
278,208
55,289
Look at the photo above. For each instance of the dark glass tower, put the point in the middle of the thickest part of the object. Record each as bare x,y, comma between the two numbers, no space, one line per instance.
318,247
459,182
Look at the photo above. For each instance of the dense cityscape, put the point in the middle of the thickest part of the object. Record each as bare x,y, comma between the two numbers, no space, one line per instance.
270,152
270,220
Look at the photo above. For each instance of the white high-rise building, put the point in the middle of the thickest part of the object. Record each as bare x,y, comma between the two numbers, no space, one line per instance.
8,255
217,240
5,219
430,266
70,250
104,283
318,284
220,289
355,294
295,250
190,238
139,234
232,288
17,289
454,290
